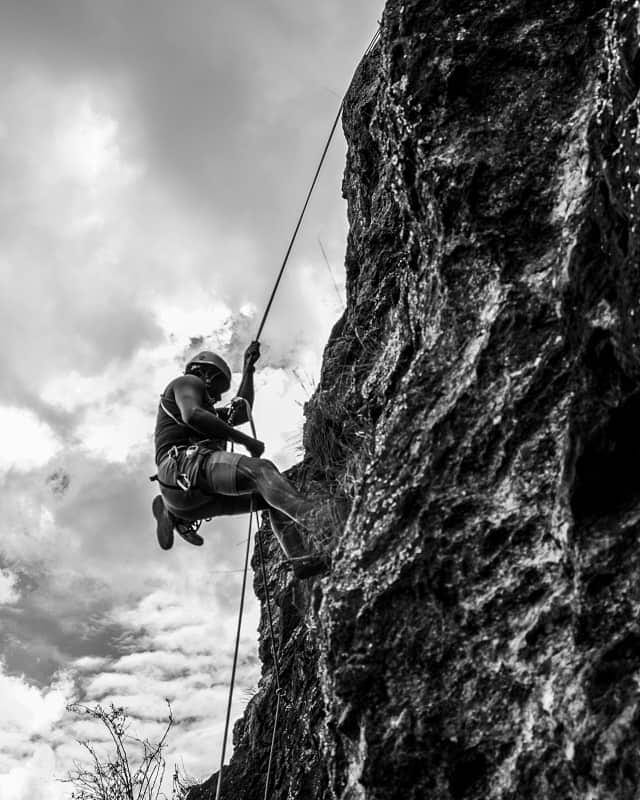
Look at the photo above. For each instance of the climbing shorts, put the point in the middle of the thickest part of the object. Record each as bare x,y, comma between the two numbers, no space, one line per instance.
190,476
219,472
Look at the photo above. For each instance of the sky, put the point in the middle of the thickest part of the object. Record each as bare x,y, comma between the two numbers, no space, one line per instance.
153,159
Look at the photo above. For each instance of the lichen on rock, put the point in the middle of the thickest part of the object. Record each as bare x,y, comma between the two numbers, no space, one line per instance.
475,435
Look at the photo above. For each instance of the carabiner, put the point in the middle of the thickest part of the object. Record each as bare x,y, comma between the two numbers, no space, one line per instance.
183,482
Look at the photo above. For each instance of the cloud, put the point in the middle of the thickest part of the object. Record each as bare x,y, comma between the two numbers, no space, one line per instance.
282,64
31,779
63,235
29,710
8,587
90,664
26,441
28,715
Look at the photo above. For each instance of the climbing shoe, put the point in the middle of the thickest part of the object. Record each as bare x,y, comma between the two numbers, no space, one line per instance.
164,523
189,532
309,565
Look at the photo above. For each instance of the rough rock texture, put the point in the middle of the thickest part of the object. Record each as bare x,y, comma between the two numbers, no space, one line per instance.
478,424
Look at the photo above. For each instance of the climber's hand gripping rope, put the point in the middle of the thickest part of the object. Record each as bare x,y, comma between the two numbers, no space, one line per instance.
251,355
242,403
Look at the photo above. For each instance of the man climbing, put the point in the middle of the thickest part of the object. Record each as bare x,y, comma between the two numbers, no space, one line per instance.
200,479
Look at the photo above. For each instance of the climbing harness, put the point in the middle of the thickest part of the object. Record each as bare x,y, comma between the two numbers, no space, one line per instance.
183,482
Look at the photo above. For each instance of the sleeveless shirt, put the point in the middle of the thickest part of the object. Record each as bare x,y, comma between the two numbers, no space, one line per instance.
169,433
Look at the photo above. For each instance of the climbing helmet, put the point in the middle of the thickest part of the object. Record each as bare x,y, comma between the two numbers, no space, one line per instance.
212,361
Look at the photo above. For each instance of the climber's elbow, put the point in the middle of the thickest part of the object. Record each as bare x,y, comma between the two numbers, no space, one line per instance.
190,415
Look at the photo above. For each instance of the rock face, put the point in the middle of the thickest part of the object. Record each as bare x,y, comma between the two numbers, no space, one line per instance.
477,425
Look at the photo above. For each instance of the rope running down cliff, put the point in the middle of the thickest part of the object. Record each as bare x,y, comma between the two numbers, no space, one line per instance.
276,660
235,656
370,47
276,663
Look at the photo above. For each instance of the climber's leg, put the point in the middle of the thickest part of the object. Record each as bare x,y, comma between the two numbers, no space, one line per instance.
287,533
261,476
170,518
304,563
223,506
229,483
233,475
164,523
257,477
288,507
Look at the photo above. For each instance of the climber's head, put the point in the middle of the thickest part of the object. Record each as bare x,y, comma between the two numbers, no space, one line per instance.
213,370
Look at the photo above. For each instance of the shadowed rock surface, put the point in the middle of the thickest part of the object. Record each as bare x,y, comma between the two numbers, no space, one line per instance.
477,425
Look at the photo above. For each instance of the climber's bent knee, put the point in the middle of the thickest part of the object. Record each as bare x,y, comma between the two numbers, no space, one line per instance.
252,473
254,466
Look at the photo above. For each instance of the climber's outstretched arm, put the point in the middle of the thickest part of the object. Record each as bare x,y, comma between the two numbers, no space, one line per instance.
251,355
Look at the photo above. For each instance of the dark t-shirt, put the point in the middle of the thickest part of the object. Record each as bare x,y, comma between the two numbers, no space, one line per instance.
170,433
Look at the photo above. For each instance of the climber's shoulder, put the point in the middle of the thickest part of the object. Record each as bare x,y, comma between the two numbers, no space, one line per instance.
187,387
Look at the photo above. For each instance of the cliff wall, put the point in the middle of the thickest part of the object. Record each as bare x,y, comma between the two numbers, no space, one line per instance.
476,427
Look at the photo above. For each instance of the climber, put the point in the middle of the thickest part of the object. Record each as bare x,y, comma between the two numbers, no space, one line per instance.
200,479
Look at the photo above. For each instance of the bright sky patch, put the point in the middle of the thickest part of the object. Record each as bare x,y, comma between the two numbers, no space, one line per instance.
27,442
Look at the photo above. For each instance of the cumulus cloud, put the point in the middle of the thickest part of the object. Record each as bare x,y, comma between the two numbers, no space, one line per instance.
31,719
8,587
228,92
31,778
27,442
90,663
27,709
63,235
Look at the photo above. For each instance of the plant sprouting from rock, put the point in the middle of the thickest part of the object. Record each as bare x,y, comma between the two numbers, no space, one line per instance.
133,770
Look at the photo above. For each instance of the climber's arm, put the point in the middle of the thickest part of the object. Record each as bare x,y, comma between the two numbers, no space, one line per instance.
246,392
189,392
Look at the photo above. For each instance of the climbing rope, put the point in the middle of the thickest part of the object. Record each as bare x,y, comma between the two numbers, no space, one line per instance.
276,661
299,223
235,656
267,602
370,47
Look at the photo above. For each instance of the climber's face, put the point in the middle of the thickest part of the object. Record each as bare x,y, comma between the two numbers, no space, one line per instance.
211,378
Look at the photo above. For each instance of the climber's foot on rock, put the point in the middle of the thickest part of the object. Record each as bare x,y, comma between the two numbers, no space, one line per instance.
309,565
164,523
